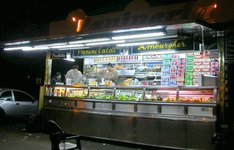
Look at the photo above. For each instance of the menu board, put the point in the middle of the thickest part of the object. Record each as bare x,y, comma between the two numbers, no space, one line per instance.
229,51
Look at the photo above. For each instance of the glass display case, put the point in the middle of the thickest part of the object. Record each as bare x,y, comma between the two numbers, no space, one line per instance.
200,94
81,92
179,94
198,101
66,91
129,93
101,93
159,94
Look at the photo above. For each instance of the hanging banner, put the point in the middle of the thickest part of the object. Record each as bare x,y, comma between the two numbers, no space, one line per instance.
176,45
96,51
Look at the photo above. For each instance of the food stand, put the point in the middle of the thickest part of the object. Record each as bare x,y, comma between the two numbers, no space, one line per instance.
168,84
154,106
176,96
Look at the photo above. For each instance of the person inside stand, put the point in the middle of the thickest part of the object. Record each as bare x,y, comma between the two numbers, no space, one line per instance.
74,76
56,79
109,73
135,81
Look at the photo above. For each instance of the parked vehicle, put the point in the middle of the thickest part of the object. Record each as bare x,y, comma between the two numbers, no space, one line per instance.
16,103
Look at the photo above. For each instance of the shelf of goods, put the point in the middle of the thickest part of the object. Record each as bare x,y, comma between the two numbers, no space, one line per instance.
182,68
187,102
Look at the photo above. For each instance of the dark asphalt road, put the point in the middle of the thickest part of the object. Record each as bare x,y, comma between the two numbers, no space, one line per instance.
13,136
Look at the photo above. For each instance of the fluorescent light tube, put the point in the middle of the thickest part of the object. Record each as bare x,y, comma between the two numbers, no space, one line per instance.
15,48
70,59
134,36
17,43
68,46
73,48
138,43
138,29
34,48
54,44
104,43
90,40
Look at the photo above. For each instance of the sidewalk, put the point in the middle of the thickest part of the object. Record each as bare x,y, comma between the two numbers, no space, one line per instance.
13,136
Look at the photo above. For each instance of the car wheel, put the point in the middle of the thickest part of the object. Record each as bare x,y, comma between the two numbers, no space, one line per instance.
2,116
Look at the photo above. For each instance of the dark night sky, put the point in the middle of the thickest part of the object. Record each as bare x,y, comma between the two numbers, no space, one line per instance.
31,18
26,19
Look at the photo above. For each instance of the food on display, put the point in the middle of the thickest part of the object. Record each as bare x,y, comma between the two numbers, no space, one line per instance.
159,98
198,96
105,96
77,93
196,100
108,83
170,99
78,85
59,92
189,99
126,97
126,82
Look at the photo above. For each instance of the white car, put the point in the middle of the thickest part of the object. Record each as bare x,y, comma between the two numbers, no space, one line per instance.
16,103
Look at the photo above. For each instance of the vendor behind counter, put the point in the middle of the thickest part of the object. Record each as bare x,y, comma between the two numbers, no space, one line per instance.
74,76
108,74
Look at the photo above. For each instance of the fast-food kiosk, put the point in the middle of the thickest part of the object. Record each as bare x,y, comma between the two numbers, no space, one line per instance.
170,75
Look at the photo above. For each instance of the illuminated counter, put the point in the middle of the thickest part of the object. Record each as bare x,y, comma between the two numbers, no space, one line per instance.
178,102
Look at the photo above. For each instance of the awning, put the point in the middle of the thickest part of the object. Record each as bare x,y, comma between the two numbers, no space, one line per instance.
174,20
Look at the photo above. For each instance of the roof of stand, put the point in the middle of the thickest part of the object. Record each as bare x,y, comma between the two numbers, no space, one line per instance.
137,14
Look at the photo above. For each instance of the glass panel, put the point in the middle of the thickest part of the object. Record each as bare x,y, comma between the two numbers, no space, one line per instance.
6,95
197,95
77,92
129,95
105,94
166,95
19,96
59,91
